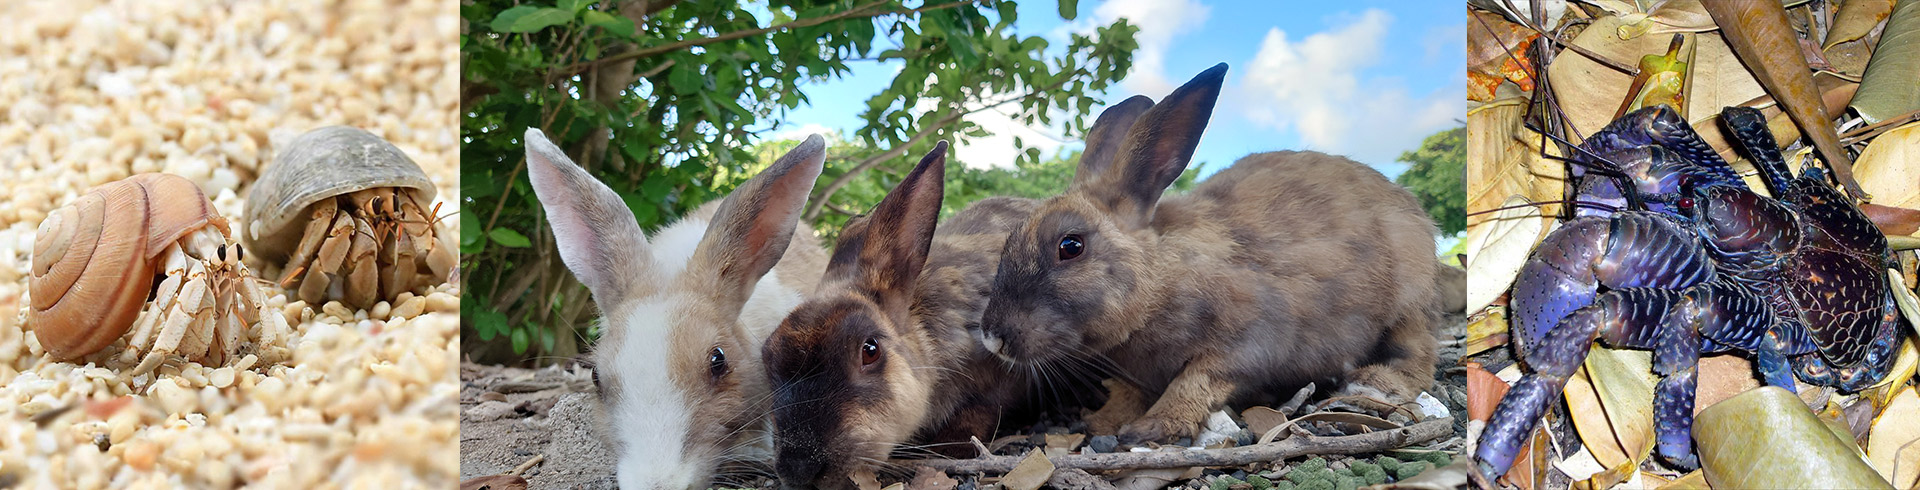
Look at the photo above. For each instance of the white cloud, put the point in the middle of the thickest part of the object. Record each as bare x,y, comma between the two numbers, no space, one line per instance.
1317,87
803,131
1160,21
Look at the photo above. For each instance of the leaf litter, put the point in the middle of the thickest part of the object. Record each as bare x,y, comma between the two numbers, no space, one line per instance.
1619,49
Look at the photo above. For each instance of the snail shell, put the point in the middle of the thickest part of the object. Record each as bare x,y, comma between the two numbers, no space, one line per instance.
93,259
321,164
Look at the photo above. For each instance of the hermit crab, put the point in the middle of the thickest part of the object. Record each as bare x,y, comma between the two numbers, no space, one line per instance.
1683,259
98,260
347,213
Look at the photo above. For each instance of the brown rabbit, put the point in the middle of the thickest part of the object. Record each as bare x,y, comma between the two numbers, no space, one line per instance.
881,353
1287,267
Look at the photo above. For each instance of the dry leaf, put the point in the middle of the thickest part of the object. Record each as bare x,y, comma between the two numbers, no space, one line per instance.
1856,19
1889,169
1887,90
1697,480
1030,474
1590,92
1486,329
1484,391
1497,248
1611,401
1891,220
864,478
1766,437
1262,419
1894,447
1763,37
931,479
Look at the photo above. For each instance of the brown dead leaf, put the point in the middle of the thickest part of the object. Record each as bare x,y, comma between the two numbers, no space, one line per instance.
864,478
1590,92
1030,474
931,479
1506,160
1493,44
1065,441
1891,220
1484,391
495,482
1611,401
1262,419
1856,19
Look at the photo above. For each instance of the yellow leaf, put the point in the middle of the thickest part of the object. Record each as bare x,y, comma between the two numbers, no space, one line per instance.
1890,167
1611,401
1894,447
1496,249
1767,438
1030,474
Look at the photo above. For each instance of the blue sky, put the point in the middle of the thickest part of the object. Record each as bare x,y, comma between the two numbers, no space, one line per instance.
1367,80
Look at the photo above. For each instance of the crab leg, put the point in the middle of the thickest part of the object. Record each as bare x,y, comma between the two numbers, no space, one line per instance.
440,260
176,271
333,252
191,312
1559,312
323,214
363,272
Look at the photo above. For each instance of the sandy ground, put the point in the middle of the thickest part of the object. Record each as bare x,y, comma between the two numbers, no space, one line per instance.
509,416
93,91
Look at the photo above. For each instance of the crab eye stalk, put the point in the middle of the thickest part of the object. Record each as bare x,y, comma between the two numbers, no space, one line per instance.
1071,247
869,352
717,362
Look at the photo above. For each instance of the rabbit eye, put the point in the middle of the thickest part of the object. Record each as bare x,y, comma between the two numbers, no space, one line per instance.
869,352
717,362
1071,246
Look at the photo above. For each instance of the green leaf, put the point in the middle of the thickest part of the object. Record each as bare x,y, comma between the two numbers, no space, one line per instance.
620,26
490,324
529,19
506,237
520,341
1069,9
685,79
546,339
574,6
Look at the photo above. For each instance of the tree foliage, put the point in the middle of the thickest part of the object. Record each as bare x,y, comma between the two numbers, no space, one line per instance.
1439,178
666,100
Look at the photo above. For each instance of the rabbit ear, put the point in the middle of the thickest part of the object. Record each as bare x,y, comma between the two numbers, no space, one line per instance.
1159,147
752,227
882,253
596,233
1106,136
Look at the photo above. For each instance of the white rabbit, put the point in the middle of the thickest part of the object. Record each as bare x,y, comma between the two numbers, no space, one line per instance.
678,369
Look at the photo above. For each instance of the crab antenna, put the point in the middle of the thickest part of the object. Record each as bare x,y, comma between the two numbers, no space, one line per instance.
1566,202
1599,165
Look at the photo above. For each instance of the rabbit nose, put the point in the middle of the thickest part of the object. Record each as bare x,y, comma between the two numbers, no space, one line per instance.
798,470
992,342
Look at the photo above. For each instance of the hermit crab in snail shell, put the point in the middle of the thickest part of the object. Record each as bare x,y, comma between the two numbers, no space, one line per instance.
97,261
348,214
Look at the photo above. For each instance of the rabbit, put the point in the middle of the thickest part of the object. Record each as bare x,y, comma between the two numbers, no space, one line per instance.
1283,269
881,353
678,371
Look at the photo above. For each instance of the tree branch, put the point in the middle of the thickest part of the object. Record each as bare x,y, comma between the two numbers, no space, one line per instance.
583,66
1243,455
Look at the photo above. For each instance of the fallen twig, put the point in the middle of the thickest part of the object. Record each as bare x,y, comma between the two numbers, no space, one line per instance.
1077,480
1278,450
522,469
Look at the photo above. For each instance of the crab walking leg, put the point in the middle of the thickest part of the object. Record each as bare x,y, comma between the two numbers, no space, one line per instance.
363,274
187,314
1558,310
316,232
440,260
176,271
333,252
400,275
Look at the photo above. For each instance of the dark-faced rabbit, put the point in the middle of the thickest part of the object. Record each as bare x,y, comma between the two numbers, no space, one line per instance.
880,354
678,368
1285,268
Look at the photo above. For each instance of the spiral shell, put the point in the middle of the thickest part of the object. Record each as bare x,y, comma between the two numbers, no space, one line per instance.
320,164
93,259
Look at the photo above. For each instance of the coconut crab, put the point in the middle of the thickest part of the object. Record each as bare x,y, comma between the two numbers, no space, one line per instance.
97,261
347,213
1695,262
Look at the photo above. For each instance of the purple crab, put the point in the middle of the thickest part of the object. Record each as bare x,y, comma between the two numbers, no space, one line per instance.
1675,254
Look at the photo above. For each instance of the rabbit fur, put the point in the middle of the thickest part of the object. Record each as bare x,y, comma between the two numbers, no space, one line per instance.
677,369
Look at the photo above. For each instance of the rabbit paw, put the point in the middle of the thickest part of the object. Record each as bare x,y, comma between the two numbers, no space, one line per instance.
1154,429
